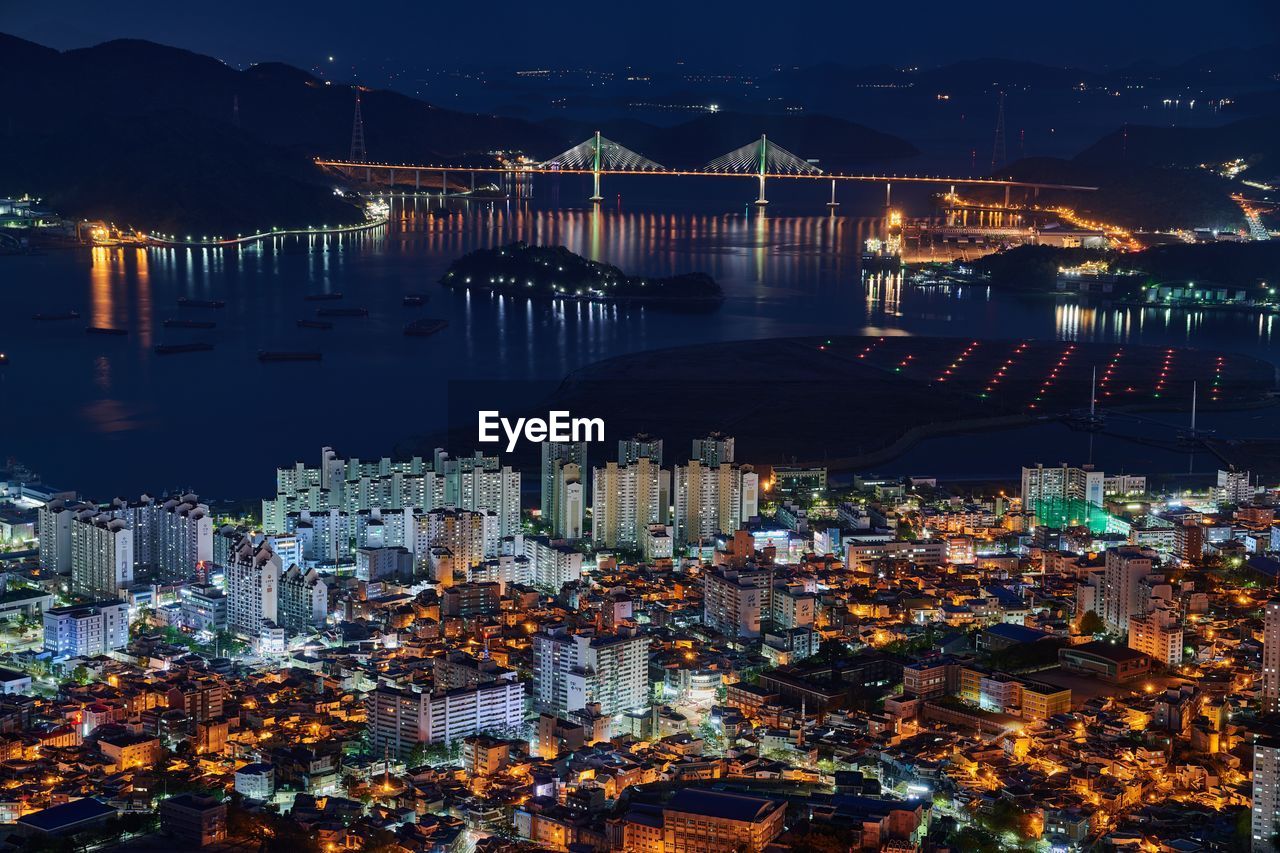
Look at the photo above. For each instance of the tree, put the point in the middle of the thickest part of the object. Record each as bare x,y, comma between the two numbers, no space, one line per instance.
1091,623
80,675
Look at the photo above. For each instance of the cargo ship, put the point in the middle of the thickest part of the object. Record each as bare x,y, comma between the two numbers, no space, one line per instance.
105,330
425,327
173,349
185,302
48,318
264,355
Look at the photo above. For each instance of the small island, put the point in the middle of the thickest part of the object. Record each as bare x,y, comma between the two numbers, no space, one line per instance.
519,269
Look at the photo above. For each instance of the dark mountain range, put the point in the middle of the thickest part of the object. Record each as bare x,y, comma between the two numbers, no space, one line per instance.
169,140
1256,140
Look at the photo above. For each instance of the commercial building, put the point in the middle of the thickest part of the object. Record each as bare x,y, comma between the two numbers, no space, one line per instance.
194,820
401,718
86,630
700,821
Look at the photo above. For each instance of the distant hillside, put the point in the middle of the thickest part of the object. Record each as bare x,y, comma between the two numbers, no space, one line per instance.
1255,139
170,140
834,143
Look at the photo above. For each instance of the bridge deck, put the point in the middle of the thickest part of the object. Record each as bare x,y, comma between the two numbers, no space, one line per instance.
821,176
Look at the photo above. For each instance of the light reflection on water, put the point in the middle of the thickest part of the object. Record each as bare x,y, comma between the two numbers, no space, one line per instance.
106,415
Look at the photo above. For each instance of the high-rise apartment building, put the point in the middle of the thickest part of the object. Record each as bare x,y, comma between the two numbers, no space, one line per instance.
86,630
302,600
1121,585
712,499
716,449
1271,658
1063,483
400,718
101,554
253,580
574,669
564,463
625,499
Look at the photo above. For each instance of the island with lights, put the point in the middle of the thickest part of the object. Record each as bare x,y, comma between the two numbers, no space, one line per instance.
519,269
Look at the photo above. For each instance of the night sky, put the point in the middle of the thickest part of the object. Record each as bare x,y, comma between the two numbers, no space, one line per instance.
752,34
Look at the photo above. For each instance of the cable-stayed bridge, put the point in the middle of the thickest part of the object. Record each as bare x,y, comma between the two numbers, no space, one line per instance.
599,156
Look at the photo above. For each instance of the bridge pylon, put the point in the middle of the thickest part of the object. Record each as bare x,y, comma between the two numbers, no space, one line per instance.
596,198
761,201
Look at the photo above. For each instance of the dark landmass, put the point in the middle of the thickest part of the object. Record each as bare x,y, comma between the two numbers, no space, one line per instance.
856,402
1256,140
834,143
1134,195
1226,264
519,269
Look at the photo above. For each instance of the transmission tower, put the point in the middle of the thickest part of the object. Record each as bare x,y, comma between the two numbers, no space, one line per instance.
997,150
357,134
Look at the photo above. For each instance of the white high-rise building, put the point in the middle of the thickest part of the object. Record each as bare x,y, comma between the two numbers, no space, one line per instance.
303,601
101,554
1266,792
575,669
625,500
563,499
86,630
640,446
253,587
1234,487
1271,658
712,499
1063,483
552,562
53,528
715,449
1157,634
1121,585
466,536
399,718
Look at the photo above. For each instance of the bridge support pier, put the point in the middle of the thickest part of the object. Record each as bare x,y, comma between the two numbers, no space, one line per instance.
473,181
391,178
833,204
444,183
368,175
596,198
761,201
1006,195
417,179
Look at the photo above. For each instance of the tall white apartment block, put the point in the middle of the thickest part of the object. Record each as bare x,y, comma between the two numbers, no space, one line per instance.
715,449
552,562
1234,487
1063,483
400,718
626,499
53,528
101,554
1266,792
253,588
564,464
574,669
712,499
1271,658
1122,585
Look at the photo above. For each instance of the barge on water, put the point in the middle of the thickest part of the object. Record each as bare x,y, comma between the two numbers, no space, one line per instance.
264,355
187,302
424,327
105,330
174,349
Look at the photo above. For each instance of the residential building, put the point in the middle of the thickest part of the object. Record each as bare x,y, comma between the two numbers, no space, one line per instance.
252,582
86,630
574,669
303,601
400,718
